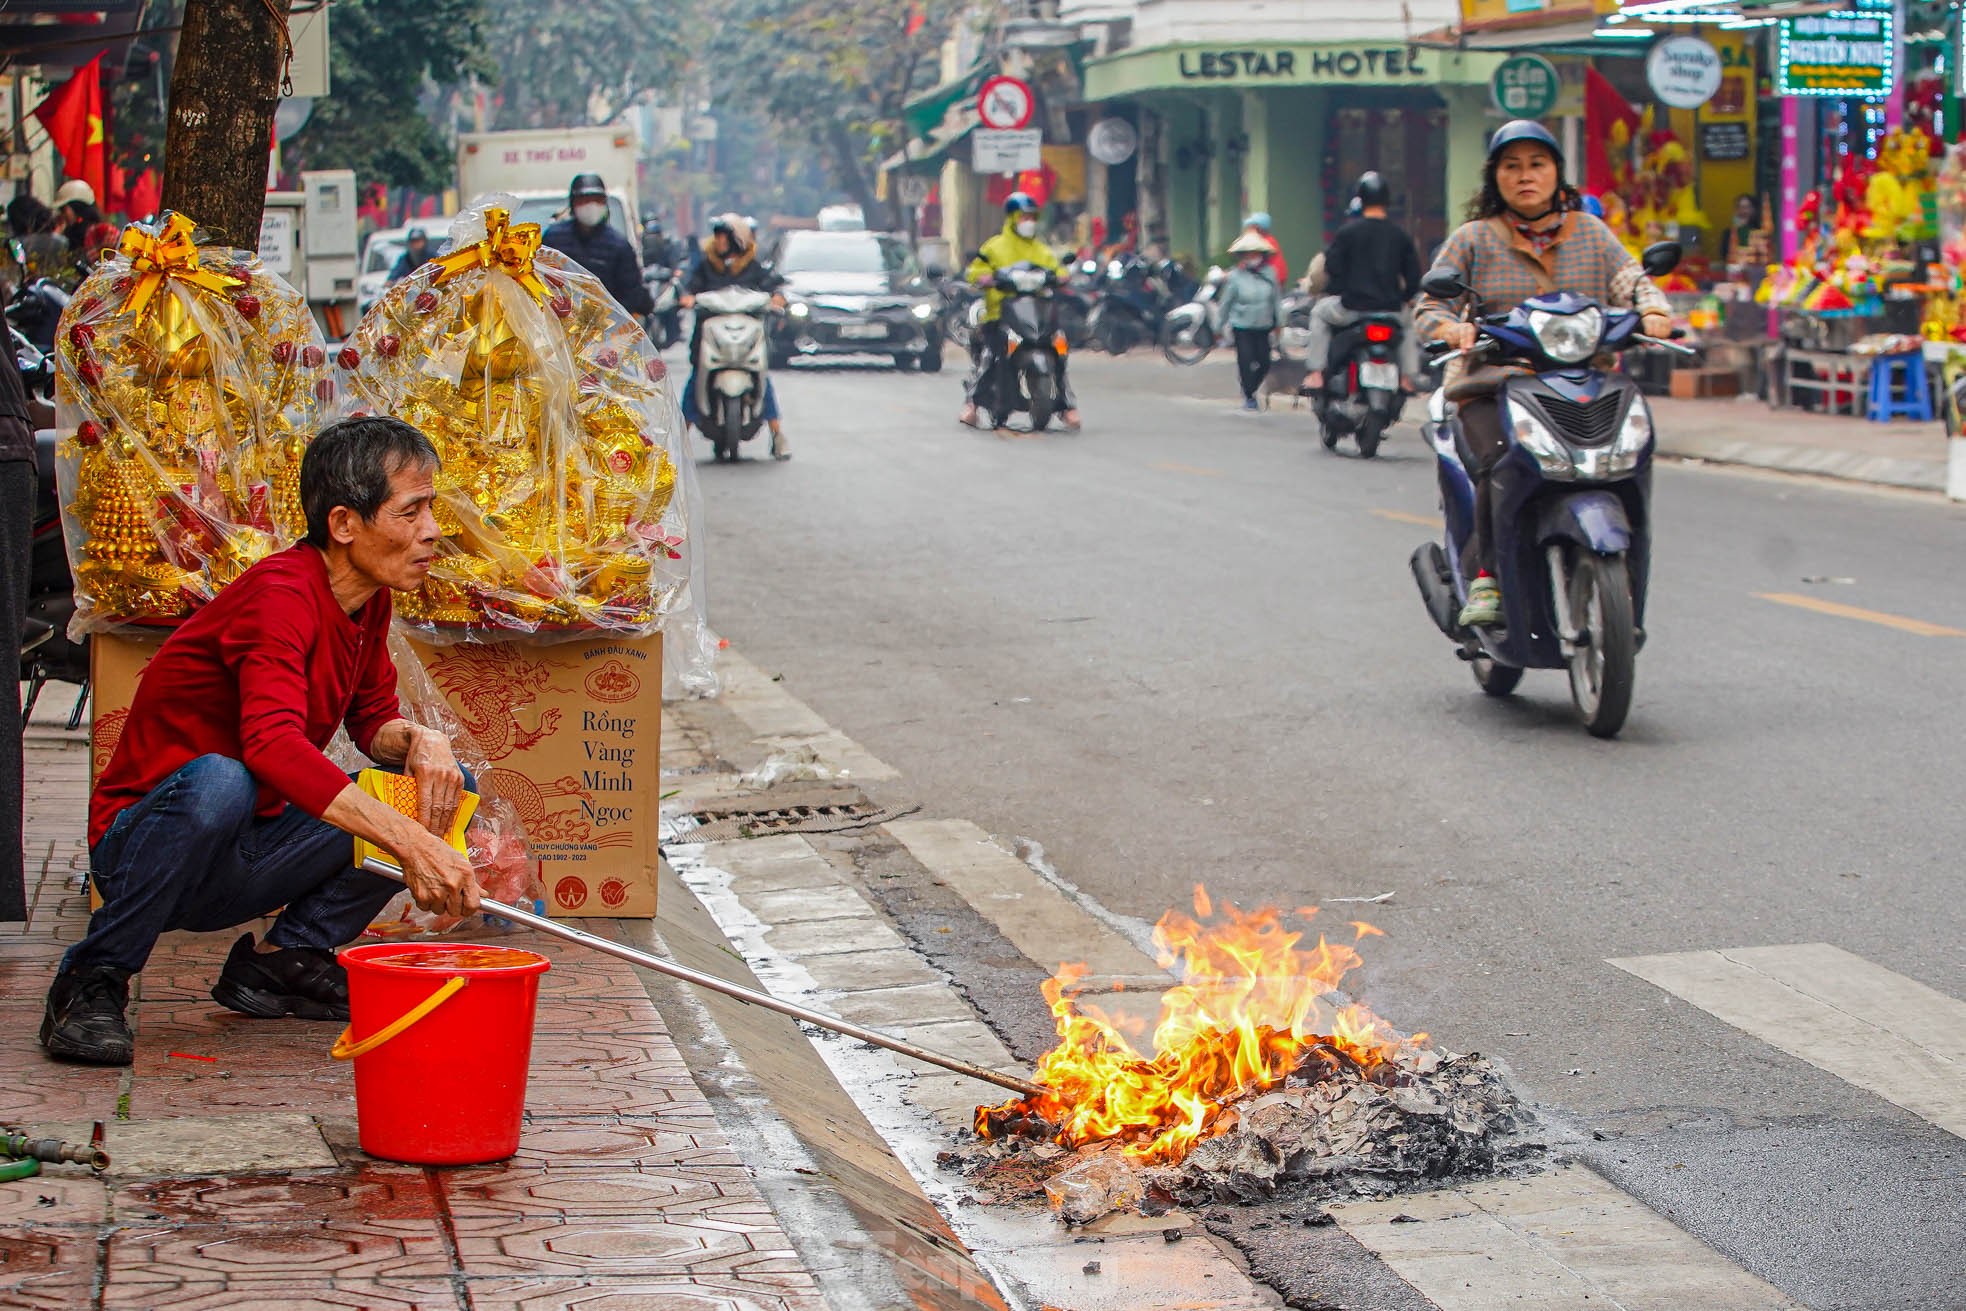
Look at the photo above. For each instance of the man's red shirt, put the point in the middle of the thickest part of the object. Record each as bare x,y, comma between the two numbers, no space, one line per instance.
263,674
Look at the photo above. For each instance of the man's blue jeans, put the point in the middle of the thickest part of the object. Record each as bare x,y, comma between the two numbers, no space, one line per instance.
193,855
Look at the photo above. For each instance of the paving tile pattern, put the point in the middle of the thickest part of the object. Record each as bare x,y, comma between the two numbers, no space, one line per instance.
624,1192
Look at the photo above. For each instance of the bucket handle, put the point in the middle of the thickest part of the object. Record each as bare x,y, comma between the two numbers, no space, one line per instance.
344,1050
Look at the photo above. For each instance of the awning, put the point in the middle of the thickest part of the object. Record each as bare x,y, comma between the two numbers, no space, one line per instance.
926,156
1590,36
926,112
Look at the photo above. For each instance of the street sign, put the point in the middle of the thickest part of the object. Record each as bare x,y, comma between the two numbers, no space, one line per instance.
1525,86
1724,141
1848,53
1683,71
1001,151
1005,103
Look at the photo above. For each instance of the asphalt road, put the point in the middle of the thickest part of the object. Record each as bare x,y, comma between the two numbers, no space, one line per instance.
1183,646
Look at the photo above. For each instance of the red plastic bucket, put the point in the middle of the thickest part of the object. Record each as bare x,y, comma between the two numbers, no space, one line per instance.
440,1034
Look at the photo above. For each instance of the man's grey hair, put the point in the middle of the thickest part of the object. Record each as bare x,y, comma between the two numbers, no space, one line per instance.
350,463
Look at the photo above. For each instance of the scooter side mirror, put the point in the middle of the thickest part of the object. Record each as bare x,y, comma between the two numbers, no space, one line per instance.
1444,284
1661,258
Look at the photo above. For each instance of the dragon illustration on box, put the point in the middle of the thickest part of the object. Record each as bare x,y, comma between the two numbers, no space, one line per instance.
488,686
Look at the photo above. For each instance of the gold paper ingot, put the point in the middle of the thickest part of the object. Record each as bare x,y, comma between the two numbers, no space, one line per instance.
496,351
174,342
624,575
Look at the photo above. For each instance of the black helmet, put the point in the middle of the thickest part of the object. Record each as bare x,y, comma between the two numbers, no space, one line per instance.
1019,202
1523,129
585,185
1372,191
416,234
652,226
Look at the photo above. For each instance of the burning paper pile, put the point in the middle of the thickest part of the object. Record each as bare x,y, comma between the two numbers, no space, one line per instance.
1259,1077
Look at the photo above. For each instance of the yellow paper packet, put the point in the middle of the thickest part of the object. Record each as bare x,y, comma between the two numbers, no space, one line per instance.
398,792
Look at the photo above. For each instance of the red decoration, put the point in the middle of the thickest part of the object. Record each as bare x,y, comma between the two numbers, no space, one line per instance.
248,306
349,357
313,357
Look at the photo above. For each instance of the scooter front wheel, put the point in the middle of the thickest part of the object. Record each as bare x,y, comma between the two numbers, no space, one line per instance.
1370,430
1604,665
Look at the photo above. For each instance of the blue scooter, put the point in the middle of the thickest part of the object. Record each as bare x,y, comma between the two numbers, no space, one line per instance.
1571,499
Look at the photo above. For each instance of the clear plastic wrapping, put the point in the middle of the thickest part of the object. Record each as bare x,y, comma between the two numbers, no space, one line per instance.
566,497
496,839
189,380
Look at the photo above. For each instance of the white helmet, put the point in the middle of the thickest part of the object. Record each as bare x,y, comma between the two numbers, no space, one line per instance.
75,189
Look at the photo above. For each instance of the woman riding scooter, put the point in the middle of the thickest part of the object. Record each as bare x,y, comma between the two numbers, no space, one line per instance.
731,260
1526,234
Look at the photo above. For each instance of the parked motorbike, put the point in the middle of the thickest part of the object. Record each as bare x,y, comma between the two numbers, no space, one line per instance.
664,323
1295,339
1131,305
46,652
1362,395
1191,331
960,297
35,311
1031,375
731,366
1571,499
1075,302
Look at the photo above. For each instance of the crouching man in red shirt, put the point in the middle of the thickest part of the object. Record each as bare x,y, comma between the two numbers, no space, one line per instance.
218,806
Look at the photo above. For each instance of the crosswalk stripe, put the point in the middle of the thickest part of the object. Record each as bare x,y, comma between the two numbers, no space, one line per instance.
1564,1239
1878,1030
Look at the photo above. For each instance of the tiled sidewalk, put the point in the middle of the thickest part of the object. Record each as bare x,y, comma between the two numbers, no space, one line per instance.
624,1194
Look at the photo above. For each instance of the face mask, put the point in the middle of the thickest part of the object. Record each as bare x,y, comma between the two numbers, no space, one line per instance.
590,213
1027,228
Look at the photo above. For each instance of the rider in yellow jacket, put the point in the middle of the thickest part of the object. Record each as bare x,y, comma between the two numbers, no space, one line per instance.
1016,244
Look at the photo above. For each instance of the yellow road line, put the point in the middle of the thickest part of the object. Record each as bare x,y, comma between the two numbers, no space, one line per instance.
1401,516
1899,622
1166,466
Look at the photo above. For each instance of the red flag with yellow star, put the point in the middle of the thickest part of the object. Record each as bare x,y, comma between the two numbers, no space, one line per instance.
72,113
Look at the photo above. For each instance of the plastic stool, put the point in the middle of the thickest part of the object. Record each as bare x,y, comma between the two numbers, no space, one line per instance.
1890,373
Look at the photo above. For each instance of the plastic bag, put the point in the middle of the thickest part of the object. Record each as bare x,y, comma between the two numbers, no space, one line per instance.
189,380
566,496
495,841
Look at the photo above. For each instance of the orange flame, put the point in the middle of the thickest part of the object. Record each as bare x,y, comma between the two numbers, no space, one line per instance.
1250,1005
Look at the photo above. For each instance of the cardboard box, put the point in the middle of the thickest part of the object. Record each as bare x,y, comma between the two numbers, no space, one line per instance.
116,662
572,732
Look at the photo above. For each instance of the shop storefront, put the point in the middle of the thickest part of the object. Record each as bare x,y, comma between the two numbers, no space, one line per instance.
1287,128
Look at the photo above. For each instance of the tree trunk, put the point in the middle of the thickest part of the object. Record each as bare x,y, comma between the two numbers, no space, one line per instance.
224,89
850,166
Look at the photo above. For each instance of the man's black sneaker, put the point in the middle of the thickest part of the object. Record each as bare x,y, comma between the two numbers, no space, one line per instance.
304,982
84,1020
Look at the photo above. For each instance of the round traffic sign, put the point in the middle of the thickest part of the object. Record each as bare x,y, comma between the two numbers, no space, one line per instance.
1006,103
1525,86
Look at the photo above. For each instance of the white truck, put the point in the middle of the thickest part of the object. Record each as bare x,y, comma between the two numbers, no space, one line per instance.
537,166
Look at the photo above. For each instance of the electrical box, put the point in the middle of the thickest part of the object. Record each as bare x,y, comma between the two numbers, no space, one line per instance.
331,214
280,227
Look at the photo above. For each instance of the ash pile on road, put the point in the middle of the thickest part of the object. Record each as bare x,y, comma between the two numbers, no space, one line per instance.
1424,1121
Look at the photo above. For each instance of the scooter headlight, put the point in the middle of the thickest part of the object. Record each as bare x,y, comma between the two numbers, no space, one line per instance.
798,309
923,311
1568,338
1534,436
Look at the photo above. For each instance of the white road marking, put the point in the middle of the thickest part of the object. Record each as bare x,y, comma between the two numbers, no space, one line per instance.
781,721
1878,1030
1566,1239
1037,918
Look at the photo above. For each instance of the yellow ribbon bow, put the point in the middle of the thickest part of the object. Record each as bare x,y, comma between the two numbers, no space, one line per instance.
165,253
508,247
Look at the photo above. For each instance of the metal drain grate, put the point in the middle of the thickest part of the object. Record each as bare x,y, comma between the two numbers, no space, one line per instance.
791,810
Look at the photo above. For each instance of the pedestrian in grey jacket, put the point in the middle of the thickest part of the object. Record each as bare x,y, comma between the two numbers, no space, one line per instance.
1252,307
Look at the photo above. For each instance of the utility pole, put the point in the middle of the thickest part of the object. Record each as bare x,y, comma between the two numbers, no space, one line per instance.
232,60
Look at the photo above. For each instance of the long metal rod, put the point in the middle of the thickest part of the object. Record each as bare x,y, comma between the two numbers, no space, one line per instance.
647,961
